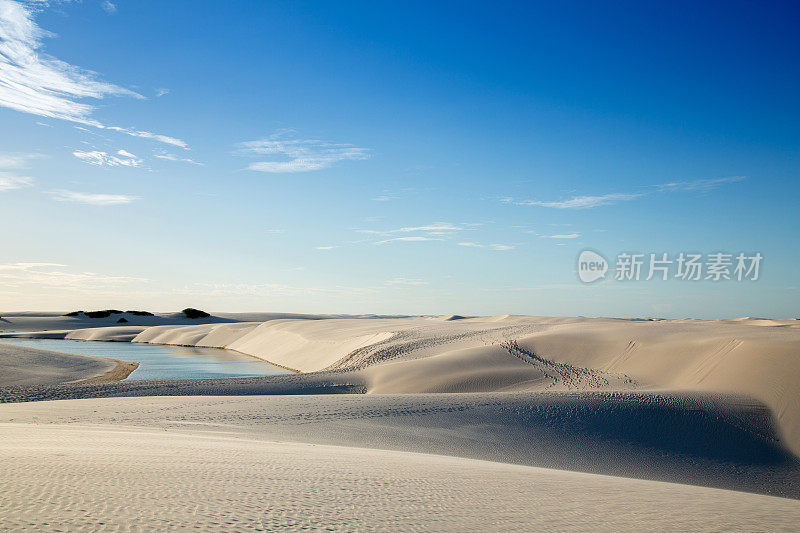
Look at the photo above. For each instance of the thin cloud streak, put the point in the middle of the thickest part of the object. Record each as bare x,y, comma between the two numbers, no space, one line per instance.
36,83
437,228
17,161
405,282
51,275
62,195
563,236
496,247
9,181
702,185
409,239
589,202
303,155
584,202
122,159
173,157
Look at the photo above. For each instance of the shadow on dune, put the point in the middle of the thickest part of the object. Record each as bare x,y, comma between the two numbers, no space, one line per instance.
701,439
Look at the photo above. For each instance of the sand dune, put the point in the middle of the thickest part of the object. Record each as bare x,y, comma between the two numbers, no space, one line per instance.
417,354
133,479
724,442
20,322
524,353
23,367
701,403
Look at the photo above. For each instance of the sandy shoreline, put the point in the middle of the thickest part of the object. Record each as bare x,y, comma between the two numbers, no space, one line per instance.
31,367
121,371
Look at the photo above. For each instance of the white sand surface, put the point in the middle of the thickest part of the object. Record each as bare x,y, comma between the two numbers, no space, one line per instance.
190,465
22,366
709,441
704,405
753,357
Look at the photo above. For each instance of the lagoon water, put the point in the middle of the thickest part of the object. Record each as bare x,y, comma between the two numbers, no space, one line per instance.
157,361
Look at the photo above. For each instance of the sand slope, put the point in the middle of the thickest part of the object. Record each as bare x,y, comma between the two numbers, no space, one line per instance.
749,356
752,357
106,478
701,440
20,366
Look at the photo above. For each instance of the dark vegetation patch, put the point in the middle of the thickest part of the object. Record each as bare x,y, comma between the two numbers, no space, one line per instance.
96,314
194,313
103,314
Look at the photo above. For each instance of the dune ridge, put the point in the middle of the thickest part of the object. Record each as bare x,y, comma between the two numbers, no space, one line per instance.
517,353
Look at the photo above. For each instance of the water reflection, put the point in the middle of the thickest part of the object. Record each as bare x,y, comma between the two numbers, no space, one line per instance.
162,362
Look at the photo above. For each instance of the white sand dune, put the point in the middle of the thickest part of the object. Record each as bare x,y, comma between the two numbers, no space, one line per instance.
706,404
20,366
112,479
701,440
745,357
180,463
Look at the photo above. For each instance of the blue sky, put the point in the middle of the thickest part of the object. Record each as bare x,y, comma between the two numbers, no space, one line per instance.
395,158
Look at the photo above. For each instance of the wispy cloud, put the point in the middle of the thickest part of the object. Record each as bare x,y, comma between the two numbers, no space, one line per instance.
108,7
563,236
326,247
496,247
121,159
405,281
62,195
161,92
54,275
584,202
409,239
589,202
397,194
298,155
144,134
438,231
17,160
269,289
34,82
173,157
9,181
702,185
438,228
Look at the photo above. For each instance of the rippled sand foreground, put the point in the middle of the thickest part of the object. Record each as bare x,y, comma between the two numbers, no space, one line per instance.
134,479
